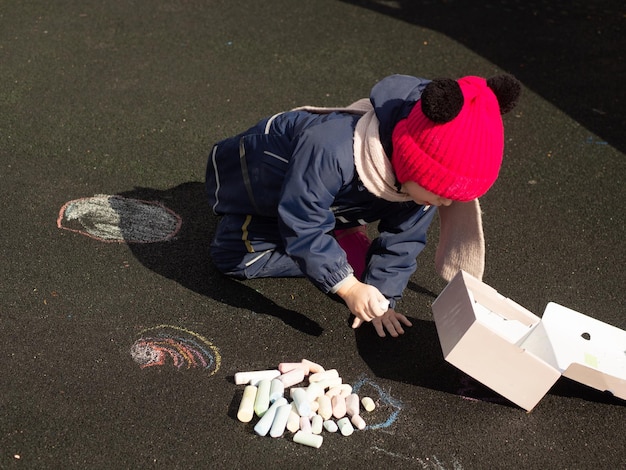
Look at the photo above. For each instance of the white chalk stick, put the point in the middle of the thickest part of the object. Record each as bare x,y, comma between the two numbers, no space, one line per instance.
246,407
345,426
330,425
331,383
368,404
253,377
302,402
314,390
339,406
280,420
321,376
277,390
308,439
352,404
265,423
358,422
384,305
325,409
293,422
305,424
312,367
293,377
262,399
317,424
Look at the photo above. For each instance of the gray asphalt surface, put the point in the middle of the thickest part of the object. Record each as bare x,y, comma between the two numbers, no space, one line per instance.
126,98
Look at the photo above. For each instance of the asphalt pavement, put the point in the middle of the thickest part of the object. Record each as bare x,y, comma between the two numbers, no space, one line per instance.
117,103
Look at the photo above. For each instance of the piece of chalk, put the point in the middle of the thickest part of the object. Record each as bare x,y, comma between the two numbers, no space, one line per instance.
280,420
317,424
321,376
308,439
346,389
262,399
253,377
339,406
293,377
330,425
314,390
325,409
277,390
330,383
312,367
305,424
265,423
246,407
293,422
352,404
345,426
368,404
314,405
302,402
358,422
284,367
384,305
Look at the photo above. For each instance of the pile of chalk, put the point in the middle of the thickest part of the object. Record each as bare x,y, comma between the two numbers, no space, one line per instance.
323,402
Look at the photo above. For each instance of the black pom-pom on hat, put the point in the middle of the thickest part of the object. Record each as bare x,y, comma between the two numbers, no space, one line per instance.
507,89
442,100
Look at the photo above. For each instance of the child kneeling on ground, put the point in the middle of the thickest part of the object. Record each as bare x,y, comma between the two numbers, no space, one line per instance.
295,192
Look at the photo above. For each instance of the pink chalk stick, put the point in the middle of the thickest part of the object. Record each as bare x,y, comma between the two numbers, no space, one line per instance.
305,424
339,406
358,422
352,404
312,366
293,377
285,367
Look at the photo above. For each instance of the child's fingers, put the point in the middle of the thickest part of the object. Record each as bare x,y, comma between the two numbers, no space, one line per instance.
357,322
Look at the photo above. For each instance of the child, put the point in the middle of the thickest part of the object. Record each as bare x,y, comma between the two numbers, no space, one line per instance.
296,191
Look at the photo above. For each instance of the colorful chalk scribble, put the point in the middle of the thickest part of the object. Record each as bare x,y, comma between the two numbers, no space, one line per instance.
119,219
180,347
387,407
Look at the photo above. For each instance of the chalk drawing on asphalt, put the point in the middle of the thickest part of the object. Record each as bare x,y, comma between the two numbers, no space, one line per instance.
427,463
180,347
112,218
387,407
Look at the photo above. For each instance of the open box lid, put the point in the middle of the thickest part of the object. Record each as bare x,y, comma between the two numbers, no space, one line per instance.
587,350
519,355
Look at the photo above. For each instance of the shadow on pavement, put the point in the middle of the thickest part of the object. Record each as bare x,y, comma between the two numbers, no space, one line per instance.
185,259
571,53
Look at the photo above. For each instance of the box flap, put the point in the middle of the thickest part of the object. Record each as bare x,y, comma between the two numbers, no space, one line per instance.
587,350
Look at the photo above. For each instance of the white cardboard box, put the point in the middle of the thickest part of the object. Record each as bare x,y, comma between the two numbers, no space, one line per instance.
519,355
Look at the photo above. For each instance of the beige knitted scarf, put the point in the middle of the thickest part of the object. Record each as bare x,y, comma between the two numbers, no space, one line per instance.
461,241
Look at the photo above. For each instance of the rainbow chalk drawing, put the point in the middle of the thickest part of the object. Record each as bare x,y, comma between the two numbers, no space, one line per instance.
183,348
117,219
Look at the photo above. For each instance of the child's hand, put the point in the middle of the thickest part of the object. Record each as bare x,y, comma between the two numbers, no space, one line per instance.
363,300
391,320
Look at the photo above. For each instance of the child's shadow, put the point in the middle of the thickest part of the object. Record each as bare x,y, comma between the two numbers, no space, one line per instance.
185,258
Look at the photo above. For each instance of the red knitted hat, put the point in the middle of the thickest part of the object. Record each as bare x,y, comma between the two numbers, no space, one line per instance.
459,159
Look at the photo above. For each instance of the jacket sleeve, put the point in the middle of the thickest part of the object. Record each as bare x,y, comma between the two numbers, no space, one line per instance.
393,254
314,178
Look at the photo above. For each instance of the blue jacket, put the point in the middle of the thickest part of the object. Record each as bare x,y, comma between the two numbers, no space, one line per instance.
298,167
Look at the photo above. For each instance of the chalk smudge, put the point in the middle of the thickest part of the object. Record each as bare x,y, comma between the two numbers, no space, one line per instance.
119,220
386,402
182,348
426,463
